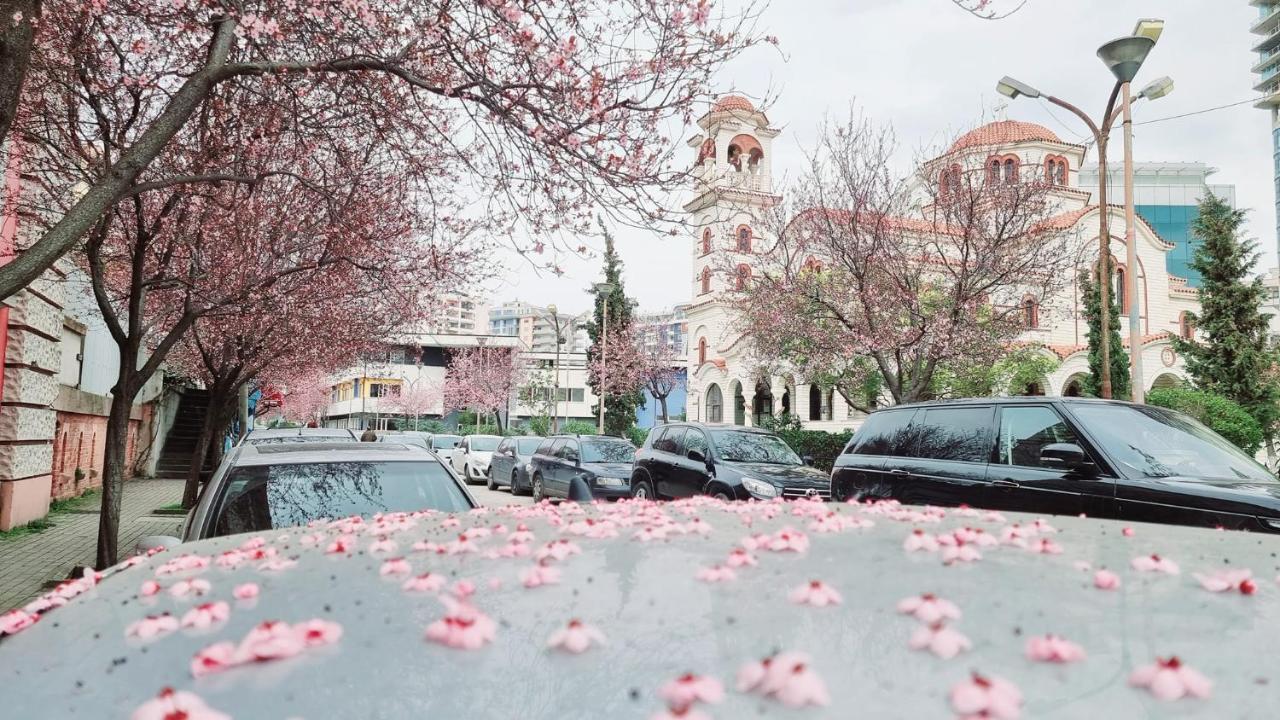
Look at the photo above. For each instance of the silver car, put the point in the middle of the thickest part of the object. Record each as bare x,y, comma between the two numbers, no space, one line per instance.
695,608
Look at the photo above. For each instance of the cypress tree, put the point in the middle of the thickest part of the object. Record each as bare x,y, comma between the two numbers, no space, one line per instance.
1120,387
1234,357
619,410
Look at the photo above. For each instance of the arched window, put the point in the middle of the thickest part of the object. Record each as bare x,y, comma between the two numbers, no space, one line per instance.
1186,329
753,160
813,264
708,150
1055,170
1030,313
702,352
949,182
706,241
706,280
715,404
1010,170
743,239
993,171
742,277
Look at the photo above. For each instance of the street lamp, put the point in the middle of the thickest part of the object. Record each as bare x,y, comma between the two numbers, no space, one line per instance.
555,385
1124,57
603,290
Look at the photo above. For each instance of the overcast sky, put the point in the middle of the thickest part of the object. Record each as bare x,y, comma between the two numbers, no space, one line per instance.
930,70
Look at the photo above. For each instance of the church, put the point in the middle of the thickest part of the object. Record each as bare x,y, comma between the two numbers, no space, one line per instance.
733,189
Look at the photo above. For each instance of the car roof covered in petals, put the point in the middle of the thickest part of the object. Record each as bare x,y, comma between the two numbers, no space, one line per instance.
301,453
634,609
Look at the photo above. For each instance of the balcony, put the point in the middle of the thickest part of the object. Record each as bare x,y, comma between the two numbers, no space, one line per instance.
1268,23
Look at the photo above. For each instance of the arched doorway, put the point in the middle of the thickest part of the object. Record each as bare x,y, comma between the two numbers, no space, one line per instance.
1074,386
739,405
763,406
815,402
1167,381
715,404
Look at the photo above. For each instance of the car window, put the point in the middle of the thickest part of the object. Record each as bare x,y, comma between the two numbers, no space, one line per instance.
275,496
568,451
528,446
670,440
694,440
608,451
1154,442
484,444
552,447
445,442
952,433
884,433
753,447
504,446
1025,430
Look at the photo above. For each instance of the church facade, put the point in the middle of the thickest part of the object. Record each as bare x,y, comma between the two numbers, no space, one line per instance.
733,190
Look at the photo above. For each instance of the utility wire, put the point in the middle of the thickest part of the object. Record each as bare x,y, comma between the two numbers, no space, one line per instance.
1199,112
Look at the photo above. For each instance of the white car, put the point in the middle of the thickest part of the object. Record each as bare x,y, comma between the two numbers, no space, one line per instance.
471,458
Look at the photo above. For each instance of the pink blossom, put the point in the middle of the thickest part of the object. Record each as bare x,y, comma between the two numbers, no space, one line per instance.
16,621
193,588
245,591
149,588
929,608
576,637
382,546
739,557
683,713
395,566
205,615
960,553
1127,532
1155,563
426,582
986,697
787,677
316,632
539,575
463,627
920,541
183,564
463,589
1106,580
1051,648
276,565
521,534
152,627
689,688
816,593
789,540
558,550
1044,546
214,658
173,704
717,573
1224,580
269,640
1169,679
940,640
341,545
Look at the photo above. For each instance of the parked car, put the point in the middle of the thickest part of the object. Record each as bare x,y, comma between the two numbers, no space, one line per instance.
266,487
276,436
1066,456
510,464
360,635
726,461
406,437
470,458
582,467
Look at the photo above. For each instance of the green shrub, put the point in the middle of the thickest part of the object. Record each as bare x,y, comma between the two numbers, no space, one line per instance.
1220,414
822,446
540,425
577,427
637,435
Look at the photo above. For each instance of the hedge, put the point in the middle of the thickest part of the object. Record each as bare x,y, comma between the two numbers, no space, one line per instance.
1220,414
823,447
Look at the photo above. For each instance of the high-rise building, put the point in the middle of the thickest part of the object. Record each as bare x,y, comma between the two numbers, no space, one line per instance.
667,327
1267,27
1167,195
536,326
461,314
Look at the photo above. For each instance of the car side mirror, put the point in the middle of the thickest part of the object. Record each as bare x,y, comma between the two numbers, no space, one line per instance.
156,542
697,456
1066,456
808,460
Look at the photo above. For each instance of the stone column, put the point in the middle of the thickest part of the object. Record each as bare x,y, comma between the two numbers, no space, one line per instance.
31,364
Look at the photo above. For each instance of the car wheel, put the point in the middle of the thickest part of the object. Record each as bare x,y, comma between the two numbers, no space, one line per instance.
722,495
466,475
641,490
515,483
537,487
489,483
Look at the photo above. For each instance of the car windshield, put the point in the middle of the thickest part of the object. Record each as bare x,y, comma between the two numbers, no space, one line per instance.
281,439
444,442
739,446
413,440
1155,442
608,451
480,443
528,446
265,497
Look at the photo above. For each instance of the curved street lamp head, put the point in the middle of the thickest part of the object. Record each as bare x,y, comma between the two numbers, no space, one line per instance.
603,288
551,309
1157,89
1149,28
1011,88
1124,56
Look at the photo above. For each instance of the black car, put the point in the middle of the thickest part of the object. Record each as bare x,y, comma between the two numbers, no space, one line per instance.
510,464
582,467
726,461
1066,456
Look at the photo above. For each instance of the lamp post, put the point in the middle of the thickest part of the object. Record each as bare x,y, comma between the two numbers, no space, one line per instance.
603,290
1124,57
555,385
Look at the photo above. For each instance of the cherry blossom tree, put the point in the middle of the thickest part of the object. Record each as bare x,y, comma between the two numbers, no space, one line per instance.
990,9
622,368
482,379
873,281
661,374
306,395
547,108
419,397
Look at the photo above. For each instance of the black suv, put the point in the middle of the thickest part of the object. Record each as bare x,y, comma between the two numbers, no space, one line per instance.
727,461
1066,456
582,467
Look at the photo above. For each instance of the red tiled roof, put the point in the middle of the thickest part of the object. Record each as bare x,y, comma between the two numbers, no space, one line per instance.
1065,351
1004,132
1148,339
733,102
1069,220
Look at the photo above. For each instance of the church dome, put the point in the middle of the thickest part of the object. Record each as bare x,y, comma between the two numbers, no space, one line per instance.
733,102
1004,132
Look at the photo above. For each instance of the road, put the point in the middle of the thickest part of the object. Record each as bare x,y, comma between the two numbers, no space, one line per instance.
495,498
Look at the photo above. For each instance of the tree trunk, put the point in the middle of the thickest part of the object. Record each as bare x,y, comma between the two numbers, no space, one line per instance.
113,468
15,53
662,403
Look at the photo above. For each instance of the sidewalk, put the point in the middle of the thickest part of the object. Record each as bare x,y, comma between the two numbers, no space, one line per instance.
27,562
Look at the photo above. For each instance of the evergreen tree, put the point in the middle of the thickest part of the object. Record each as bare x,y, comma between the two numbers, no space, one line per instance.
1235,358
1120,388
619,410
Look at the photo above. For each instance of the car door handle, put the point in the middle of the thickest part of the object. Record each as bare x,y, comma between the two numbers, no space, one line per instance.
898,471
1006,484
